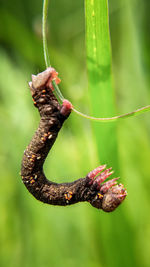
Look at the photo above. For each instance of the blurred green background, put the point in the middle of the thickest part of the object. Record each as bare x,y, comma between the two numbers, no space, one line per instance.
34,234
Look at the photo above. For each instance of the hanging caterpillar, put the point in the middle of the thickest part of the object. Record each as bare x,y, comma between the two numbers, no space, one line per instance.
106,196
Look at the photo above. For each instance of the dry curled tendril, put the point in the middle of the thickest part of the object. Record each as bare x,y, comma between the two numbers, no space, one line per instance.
92,188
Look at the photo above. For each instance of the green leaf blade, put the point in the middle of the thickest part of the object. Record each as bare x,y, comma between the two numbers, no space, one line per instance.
100,77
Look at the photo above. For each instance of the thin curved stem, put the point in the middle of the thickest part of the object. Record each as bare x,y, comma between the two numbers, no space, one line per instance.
57,90
56,87
44,19
123,116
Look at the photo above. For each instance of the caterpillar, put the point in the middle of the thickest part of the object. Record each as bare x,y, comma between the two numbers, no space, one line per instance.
92,188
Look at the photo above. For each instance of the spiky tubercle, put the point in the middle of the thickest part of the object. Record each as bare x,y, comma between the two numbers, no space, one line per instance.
106,196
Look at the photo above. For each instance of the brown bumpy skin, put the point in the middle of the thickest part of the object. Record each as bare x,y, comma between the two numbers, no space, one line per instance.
106,196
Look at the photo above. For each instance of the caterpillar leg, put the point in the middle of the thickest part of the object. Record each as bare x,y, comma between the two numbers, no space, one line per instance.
109,194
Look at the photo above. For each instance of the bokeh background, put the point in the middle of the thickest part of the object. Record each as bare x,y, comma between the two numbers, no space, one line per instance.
34,234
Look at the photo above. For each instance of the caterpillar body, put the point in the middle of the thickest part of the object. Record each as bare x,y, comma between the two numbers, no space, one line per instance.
106,196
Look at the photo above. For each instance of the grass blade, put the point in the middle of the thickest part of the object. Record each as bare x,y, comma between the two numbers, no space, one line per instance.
100,77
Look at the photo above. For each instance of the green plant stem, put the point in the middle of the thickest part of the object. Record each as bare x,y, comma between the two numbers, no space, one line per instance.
115,118
56,87
57,91
44,19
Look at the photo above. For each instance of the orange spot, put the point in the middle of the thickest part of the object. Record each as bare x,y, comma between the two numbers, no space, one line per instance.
44,91
100,195
32,181
68,195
